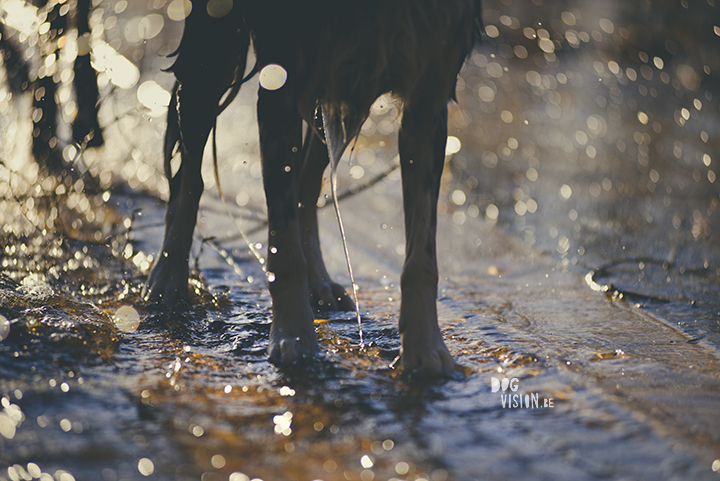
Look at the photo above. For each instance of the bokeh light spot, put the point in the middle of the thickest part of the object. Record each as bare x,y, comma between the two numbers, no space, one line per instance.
126,319
146,467
219,8
178,10
273,77
4,328
154,97
453,145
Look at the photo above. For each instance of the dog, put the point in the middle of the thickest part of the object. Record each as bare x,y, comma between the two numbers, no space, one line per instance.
334,59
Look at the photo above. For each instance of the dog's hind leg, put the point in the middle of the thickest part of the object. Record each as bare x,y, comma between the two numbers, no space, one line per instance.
422,140
325,295
292,335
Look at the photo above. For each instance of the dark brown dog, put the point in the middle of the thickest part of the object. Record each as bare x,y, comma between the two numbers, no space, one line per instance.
339,56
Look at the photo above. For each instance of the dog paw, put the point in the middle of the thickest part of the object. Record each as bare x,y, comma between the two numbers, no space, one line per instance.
167,283
329,296
285,351
426,359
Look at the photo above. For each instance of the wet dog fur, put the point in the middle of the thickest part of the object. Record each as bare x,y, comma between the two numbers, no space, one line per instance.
339,58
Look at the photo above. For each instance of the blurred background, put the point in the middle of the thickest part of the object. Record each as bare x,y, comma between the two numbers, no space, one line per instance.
578,247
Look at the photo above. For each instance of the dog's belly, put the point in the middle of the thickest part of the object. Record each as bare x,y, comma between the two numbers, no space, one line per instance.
350,53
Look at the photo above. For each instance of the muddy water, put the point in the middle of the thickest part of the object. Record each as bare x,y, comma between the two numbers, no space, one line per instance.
579,255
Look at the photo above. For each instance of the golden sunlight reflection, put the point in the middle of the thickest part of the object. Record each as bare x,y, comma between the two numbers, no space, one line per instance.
283,423
119,70
154,97
21,16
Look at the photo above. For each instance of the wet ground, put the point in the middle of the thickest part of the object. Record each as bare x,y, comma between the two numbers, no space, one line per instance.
578,253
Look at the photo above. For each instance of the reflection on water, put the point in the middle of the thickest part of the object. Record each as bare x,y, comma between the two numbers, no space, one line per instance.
578,249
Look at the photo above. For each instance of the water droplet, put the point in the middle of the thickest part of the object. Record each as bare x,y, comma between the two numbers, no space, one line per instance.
65,425
453,144
218,461
34,470
146,467
565,191
4,328
126,319
178,10
458,197
273,77
492,212
568,18
287,391
219,8
402,468
546,45
357,172
61,475
607,26
7,426
270,276
197,430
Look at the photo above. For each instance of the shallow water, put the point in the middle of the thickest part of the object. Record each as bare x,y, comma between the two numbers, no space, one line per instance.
579,255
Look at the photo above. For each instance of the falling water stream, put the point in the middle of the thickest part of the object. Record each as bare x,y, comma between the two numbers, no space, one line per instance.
341,226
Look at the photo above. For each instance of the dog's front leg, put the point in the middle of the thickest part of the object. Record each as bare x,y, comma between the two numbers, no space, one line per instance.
168,280
292,335
209,51
422,152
